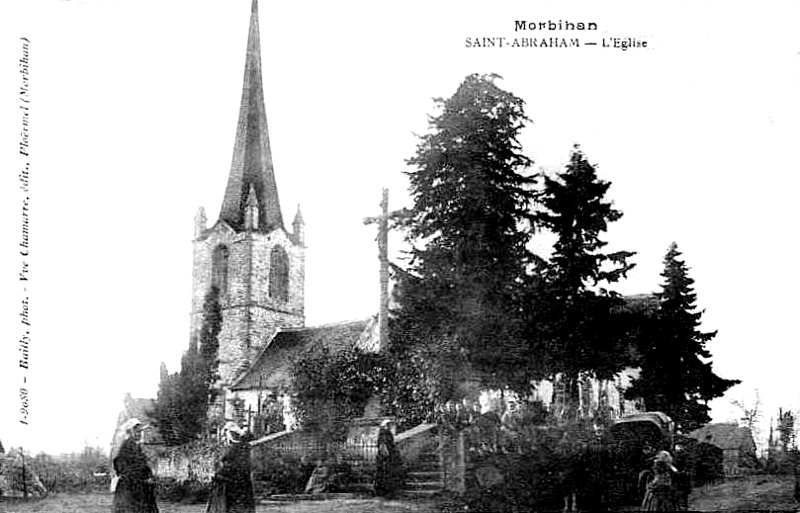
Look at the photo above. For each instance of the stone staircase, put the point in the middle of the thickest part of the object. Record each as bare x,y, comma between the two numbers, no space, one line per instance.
419,447
424,477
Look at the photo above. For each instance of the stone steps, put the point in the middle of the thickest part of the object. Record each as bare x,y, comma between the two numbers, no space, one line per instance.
424,477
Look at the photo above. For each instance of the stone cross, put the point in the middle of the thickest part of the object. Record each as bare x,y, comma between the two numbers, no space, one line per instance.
382,221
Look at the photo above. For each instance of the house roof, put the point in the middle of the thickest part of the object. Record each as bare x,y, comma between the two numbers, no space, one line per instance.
641,303
726,436
135,407
272,366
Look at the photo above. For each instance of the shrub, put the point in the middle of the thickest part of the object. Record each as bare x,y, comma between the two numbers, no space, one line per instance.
190,491
278,473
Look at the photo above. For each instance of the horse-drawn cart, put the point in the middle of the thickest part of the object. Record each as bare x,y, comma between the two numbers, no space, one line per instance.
633,441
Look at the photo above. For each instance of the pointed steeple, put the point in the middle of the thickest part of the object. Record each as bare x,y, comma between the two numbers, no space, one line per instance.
199,223
251,166
298,217
251,211
298,227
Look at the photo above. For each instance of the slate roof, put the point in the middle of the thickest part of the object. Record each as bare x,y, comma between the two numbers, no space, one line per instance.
135,407
726,436
271,367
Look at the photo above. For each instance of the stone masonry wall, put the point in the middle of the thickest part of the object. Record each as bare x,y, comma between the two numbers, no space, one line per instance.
191,462
250,316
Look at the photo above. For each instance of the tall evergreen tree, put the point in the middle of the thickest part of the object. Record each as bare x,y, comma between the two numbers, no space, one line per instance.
572,323
676,371
181,407
468,230
209,338
165,413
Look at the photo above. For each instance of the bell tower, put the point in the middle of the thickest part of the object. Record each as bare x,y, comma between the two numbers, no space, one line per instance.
257,264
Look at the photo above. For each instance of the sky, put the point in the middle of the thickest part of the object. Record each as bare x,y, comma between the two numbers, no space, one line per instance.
133,108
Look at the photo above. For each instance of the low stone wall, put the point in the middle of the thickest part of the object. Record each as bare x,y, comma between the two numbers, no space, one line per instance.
413,442
190,462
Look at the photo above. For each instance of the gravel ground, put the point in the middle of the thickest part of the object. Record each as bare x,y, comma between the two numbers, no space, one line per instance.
757,493
101,503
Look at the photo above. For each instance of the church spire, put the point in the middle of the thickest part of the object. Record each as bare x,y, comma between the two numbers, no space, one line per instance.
251,167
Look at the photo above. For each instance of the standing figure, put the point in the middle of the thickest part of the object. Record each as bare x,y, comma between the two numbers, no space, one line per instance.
389,465
661,494
683,478
135,487
232,490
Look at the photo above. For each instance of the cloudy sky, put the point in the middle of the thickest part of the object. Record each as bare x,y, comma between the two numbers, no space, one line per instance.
133,115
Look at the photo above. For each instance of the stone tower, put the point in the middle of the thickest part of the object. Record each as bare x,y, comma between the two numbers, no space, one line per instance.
248,253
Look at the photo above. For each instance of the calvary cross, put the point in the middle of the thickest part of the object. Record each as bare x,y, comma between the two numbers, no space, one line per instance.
383,256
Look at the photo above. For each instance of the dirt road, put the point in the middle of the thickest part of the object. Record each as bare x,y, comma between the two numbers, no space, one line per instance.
756,493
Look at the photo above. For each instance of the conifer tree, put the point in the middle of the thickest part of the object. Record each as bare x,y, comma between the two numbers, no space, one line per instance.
181,407
209,338
572,320
786,430
468,229
676,369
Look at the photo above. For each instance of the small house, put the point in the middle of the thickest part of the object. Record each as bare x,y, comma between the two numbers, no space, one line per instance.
736,442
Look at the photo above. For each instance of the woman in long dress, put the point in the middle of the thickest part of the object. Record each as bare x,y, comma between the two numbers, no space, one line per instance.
135,488
232,490
661,494
389,465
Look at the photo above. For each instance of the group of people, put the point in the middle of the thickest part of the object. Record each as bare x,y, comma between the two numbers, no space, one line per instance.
232,488
134,484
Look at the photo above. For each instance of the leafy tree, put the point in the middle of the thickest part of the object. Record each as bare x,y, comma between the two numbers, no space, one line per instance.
468,230
181,407
573,325
676,372
425,376
332,386
751,413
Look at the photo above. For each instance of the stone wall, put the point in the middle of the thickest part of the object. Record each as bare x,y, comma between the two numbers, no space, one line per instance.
190,462
250,315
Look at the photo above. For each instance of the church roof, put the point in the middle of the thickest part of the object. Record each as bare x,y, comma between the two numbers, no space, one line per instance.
251,166
272,366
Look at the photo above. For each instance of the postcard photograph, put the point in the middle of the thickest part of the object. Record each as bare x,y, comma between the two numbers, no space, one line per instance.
442,256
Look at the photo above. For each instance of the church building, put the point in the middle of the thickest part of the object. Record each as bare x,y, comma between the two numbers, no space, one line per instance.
259,268
257,264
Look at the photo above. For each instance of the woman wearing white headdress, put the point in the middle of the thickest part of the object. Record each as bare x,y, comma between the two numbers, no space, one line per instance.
388,463
135,489
661,494
232,490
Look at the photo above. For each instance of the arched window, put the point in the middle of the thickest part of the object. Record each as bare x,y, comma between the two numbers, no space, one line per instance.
219,269
278,274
